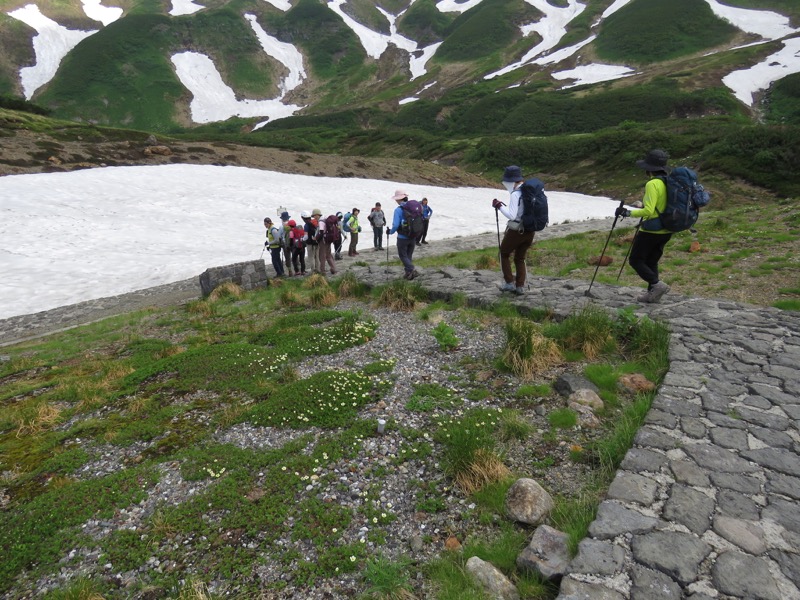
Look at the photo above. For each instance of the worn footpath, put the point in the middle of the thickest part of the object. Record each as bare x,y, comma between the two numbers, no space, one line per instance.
705,504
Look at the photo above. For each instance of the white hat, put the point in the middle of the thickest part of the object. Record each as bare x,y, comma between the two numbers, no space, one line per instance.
399,195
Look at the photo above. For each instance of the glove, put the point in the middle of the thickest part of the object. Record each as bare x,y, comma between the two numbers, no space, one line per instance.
388,231
496,204
622,212
359,229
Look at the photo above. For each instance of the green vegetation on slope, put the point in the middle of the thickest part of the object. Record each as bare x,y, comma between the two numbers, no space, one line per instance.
484,29
783,100
125,65
424,23
648,31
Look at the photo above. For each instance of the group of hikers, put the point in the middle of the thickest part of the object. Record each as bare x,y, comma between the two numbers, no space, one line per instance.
320,240
316,244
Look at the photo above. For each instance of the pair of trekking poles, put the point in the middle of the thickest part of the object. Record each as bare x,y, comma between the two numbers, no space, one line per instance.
602,254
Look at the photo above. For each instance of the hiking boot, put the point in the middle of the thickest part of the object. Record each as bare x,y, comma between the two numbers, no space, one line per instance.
657,291
407,275
519,291
507,287
413,275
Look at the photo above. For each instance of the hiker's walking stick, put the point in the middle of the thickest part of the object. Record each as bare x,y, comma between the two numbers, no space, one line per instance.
602,254
628,253
497,219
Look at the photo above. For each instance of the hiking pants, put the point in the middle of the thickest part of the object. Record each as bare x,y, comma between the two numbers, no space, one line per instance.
313,258
287,257
277,261
353,243
405,250
377,237
299,260
646,252
425,223
516,243
326,255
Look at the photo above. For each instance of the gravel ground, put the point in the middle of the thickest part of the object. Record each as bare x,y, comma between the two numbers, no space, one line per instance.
348,483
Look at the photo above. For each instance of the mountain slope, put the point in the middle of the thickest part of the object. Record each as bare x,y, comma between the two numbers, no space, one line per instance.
357,54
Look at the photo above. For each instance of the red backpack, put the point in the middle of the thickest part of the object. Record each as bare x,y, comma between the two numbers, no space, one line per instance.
332,232
296,235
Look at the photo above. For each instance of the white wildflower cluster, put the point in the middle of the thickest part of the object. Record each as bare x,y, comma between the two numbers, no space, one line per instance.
213,473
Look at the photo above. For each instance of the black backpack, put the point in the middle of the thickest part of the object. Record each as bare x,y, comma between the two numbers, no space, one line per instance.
535,213
685,198
412,225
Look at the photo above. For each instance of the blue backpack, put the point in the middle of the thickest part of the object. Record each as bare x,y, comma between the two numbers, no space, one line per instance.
685,198
535,213
345,219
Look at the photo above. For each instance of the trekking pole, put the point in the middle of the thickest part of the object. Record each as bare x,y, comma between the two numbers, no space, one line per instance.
628,253
387,256
497,219
262,252
602,254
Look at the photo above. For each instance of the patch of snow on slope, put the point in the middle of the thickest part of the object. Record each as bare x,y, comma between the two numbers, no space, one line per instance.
184,7
213,100
105,14
51,44
769,25
551,27
286,54
594,73
747,82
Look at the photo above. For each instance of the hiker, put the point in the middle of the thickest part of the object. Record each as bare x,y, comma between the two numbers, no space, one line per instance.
377,219
427,211
328,233
285,243
405,243
355,229
274,244
311,228
297,244
648,246
514,242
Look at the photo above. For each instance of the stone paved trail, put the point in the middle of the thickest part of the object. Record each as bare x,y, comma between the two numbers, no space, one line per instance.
705,504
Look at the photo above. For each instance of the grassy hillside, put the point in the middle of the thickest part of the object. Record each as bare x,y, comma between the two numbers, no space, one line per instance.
648,31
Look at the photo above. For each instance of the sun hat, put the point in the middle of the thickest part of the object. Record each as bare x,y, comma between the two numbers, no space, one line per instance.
399,195
305,214
316,211
655,160
285,216
292,223
513,173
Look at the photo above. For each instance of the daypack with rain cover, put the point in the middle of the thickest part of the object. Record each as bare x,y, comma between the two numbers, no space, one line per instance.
345,222
297,235
535,213
411,226
332,232
685,198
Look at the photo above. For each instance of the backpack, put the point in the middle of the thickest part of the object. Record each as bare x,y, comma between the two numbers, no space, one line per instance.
312,229
297,238
685,197
412,226
345,220
535,213
332,233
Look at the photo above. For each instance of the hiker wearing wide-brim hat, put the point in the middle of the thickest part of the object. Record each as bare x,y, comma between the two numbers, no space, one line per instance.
648,246
516,243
